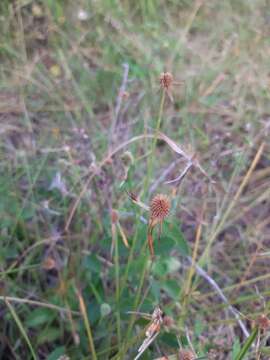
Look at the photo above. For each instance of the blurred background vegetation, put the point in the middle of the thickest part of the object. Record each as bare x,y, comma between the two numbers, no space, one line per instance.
77,80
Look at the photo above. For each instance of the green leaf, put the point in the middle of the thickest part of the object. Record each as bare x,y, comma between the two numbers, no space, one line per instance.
21,328
49,335
165,266
236,348
247,345
169,340
164,245
173,231
171,287
39,316
198,327
56,353
155,289
159,267
92,263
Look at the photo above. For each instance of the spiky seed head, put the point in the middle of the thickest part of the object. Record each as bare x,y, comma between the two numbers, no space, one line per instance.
166,80
186,355
160,207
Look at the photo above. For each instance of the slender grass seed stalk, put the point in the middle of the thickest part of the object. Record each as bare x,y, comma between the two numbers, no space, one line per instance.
114,220
154,143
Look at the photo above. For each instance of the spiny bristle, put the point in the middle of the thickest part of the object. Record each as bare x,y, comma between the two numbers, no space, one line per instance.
160,207
166,80
186,355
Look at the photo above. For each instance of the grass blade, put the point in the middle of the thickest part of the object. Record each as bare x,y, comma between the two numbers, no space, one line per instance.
86,324
247,345
21,328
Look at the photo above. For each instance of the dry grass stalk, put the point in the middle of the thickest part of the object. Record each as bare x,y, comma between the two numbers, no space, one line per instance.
115,224
152,331
166,81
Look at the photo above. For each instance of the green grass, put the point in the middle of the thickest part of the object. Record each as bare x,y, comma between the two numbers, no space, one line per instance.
67,280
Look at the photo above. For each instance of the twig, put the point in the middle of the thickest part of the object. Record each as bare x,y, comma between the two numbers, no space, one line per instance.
212,282
189,340
145,345
122,89
37,303
182,175
163,176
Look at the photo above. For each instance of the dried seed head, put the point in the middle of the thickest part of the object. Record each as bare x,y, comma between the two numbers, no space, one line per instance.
168,321
213,354
133,196
160,207
127,158
49,263
186,355
114,216
124,94
263,322
166,80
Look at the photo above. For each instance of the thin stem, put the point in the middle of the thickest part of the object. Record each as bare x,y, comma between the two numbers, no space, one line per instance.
247,345
117,282
218,290
86,324
130,256
136,302
227,212
36,303
21,328
154,143
187,287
